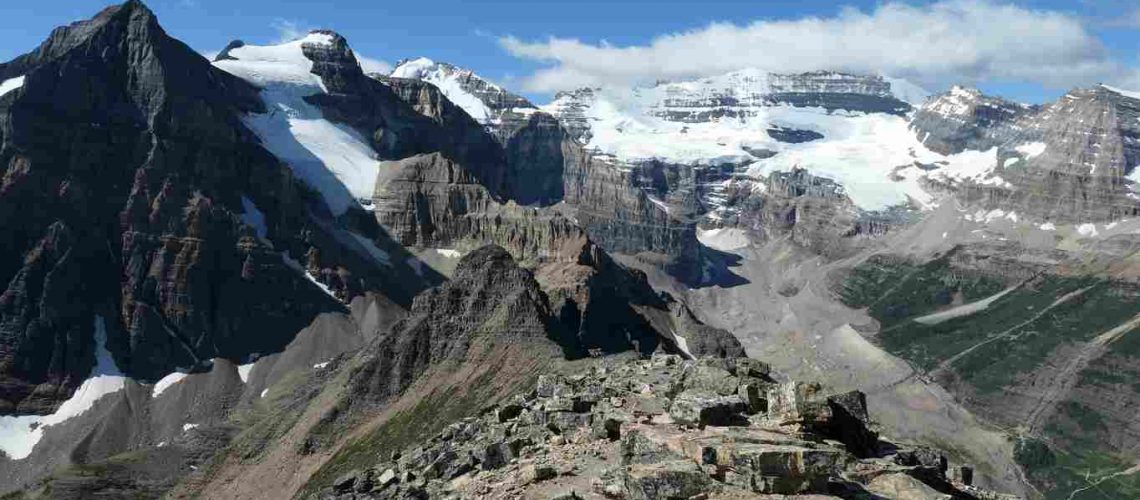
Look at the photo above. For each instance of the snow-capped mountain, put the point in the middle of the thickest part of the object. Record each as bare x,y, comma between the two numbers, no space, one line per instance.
853,130
482,100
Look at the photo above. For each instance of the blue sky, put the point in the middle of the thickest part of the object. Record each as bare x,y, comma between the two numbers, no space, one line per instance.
540,46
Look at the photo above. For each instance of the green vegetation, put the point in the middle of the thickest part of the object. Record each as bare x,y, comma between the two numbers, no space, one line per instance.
1082,474
1014,335
996,348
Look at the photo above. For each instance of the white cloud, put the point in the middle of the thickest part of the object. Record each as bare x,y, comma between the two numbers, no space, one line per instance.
288,30
370,65
951,41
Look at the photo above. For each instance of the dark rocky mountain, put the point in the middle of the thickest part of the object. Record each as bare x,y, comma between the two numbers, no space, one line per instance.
128,189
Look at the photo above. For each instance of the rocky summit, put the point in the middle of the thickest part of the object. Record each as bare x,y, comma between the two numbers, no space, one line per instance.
291,271
665,427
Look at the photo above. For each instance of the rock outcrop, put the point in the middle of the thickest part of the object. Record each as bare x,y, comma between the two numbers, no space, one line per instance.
661,428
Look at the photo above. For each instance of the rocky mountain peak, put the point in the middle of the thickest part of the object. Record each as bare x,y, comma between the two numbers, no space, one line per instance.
488,103
965,118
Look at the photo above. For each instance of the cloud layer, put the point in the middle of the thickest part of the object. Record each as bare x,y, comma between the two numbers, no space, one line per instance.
951,41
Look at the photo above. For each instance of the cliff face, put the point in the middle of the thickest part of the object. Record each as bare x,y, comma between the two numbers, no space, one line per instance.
541,165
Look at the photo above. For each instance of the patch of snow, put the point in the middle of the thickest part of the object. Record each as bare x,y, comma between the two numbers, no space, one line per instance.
683,345
11,84
449,253
296,266
1048,226
244,370
263,393
165,383
1032,149
18,437
319,366
162,444
1087,230
333,158
725,239
186,427
660,204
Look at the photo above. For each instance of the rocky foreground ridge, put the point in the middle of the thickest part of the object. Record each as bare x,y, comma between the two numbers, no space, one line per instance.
662,428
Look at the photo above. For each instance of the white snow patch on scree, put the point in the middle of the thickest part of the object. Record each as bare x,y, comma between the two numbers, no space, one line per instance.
333,158
1087,230
165,382
1031,149
723,238
11,84
17,438
243,372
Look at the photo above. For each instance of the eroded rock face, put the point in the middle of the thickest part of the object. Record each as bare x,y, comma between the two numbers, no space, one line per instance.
597,432
128,174
1066,161
539,163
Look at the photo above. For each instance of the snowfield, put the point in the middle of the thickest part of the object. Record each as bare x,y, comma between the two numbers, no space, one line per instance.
165,383
335,159
875,156
11,84
17,436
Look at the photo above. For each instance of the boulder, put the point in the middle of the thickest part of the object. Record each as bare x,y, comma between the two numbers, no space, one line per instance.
711,378
637,449
670,479
536,473
904,486
704,408
783,469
